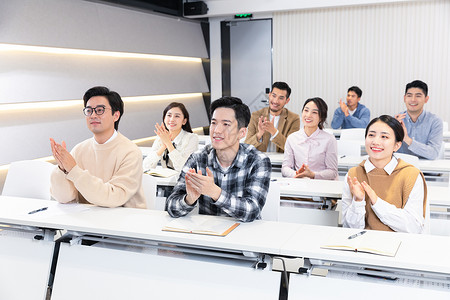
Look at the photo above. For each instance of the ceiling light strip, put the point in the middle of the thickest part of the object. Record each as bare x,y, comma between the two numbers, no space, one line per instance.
72,103
69,51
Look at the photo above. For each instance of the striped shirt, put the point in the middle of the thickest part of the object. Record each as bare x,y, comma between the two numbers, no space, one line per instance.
244,185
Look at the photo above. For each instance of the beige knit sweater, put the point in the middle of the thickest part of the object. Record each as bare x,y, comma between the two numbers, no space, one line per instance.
107,175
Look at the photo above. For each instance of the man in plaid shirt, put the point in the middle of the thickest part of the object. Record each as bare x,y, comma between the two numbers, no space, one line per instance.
225,178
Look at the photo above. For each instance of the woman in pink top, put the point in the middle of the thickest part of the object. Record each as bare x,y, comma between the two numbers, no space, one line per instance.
311,152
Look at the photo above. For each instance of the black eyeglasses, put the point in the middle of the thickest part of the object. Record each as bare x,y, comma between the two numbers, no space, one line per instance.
99,110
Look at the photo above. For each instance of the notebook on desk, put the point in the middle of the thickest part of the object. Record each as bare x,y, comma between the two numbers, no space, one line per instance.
200,224
371,242
162,172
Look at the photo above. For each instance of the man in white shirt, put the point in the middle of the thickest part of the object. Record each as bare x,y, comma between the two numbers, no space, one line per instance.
270,126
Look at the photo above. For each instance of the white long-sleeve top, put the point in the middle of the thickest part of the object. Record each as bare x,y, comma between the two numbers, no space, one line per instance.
185,144
408,219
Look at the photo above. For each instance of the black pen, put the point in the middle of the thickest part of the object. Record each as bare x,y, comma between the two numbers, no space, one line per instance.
37,210
342,156
356,234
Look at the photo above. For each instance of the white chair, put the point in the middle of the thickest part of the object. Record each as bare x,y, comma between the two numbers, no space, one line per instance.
29,179
353,134
410,159
149,186
271,209
427,222
348,148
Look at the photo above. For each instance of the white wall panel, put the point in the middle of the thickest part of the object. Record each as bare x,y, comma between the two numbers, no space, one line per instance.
380,48
25,134
86,25
29,77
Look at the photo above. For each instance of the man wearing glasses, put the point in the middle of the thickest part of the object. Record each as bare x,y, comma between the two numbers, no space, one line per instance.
105,170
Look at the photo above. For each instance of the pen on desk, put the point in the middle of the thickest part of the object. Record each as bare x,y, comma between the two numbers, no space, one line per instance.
342,156
37,210
274,179
356,234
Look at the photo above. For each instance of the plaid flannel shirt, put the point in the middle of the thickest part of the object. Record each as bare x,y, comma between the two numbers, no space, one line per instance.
244,185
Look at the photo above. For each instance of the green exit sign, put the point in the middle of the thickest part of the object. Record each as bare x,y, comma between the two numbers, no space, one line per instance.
243,16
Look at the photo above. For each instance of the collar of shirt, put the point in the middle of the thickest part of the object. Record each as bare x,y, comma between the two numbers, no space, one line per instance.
419,119
179,137
110,139
312,137
238,161
389,168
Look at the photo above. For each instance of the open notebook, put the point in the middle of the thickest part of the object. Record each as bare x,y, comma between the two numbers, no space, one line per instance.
372,241
162,172
201,224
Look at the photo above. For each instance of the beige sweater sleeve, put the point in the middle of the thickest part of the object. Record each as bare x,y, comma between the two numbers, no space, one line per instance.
117,191
105,175
62,189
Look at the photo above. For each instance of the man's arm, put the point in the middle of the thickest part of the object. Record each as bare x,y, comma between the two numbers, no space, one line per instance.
431,149
362,121
248,207
252,131
176,205
280,138
122,186
338,118
62,190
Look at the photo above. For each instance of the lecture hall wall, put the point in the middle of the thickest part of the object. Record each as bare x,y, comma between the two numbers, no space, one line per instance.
323,47
27,76
380,48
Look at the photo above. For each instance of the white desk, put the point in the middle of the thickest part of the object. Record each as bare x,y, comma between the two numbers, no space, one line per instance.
432,166
25,266
139,273
348,286
418,253
308,188
105,273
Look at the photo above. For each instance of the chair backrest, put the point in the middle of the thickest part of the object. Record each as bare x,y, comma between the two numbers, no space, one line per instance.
348,148
410,159
427,222
271,209
28,178
149,186
353,134
445,126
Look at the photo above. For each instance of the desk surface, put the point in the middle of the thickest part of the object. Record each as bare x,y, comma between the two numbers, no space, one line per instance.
142,224
420,252
438,165
293,187
417,252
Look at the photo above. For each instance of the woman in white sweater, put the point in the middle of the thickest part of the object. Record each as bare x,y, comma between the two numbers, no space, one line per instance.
175,141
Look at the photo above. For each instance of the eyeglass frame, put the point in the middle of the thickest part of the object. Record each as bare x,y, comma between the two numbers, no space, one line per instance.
94,109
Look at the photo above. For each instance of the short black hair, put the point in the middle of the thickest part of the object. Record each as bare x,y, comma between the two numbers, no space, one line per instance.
417,84
391,122
282,86
113,98
241,110
355,89
185,127
321,106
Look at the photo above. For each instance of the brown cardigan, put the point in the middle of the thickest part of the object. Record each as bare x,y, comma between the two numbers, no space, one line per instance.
289,123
